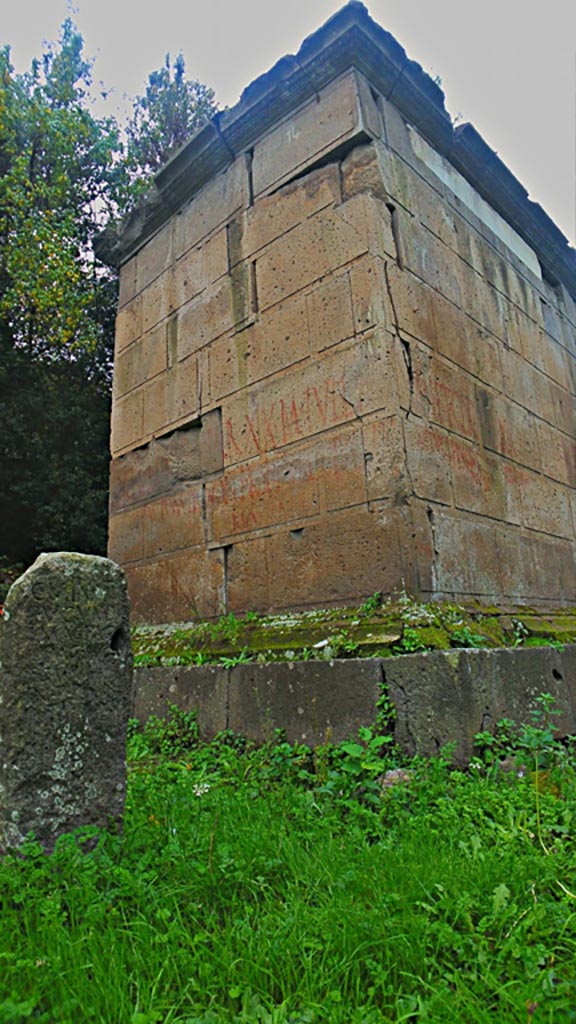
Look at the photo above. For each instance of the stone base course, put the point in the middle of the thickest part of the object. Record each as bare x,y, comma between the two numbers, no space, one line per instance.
439,698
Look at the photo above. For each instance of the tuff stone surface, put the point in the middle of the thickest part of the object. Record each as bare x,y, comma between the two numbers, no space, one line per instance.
65,698
346,341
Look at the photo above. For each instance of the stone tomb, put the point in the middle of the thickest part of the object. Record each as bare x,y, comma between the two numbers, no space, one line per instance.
345,354
65,698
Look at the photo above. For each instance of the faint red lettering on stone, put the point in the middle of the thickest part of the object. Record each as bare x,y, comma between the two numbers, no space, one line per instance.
290,420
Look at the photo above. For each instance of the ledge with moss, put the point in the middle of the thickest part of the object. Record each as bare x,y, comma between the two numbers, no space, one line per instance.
378,628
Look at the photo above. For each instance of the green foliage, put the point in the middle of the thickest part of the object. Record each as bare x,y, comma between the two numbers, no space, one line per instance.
281,885
410,642
170,111
171,736
63,173
57,180
533,741
463,636
371,605
395,626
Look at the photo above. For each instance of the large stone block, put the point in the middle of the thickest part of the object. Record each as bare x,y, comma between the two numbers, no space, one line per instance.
485,484
65,698
127,428
314,702
129,323
323,243
247,575
273,490
277,339
126,536
215,204
447,697
200,267
173,522
428,461
141,361
482,558
340,114
347,383
127,285
203,690
158,300
227,304
563,409
385,458
182,586
508,429
461,340
155,257
340,468
411,301
558,455
330,315
273,216
345,555
139,475
371,306
453,400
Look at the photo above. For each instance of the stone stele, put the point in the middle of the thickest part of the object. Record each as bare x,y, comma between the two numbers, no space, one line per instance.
65,698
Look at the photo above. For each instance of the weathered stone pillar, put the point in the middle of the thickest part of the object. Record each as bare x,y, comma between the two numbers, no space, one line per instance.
65,698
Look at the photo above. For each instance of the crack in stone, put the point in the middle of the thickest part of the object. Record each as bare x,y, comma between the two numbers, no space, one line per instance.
349,402
430,516
404,345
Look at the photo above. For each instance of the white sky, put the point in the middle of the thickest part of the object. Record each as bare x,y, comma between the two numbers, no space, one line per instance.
508,66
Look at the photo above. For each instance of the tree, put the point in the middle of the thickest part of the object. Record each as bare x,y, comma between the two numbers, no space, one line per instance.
59,173
63,174
171,110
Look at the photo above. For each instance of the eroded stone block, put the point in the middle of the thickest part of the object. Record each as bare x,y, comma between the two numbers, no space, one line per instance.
65,698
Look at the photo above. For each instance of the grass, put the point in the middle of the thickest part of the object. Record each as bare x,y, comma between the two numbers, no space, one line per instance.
282,885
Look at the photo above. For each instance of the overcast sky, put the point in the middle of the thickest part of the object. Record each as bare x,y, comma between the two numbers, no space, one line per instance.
508,66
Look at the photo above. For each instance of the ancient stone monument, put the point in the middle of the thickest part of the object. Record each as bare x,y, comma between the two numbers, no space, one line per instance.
345,354
65,698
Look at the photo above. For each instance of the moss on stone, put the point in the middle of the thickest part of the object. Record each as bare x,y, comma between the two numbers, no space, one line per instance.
374,629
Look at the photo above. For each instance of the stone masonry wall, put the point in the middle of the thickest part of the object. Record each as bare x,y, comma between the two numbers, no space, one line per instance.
338,371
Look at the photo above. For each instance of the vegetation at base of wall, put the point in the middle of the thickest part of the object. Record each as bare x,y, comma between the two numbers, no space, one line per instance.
377,628
284,885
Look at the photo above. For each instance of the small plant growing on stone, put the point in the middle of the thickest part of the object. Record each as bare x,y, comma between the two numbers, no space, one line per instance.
410,642
244,657
463,636
371,605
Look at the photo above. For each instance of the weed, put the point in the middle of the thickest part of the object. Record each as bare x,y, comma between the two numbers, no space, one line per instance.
534,741
172,736
242,658
371,605
519,632
410,642
463,636
251,617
